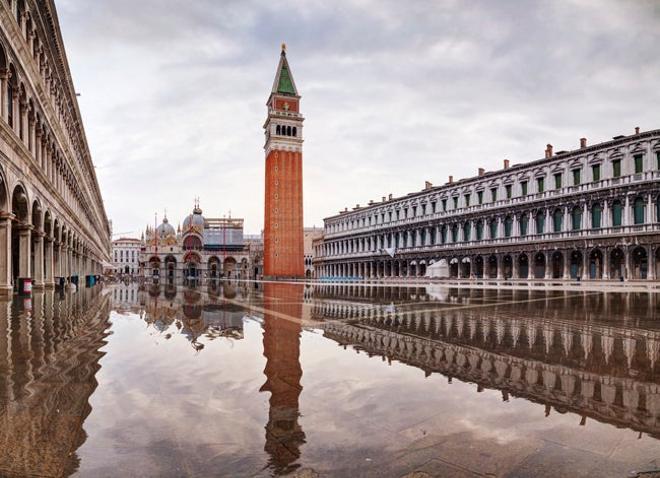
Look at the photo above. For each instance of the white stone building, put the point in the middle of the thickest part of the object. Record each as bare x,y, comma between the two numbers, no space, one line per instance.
126,255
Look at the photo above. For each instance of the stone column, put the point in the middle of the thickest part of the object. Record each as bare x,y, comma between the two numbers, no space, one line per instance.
16,113
567,265
38,240
586,217
5,255
4,110
651,263
48,269
626,212
24,262
605,215
606,262
649,213
548,264
515,227
515,272
500,265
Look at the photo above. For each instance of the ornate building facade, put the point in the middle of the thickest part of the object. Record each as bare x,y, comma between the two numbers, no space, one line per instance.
283,211
53,226
590,213
202,248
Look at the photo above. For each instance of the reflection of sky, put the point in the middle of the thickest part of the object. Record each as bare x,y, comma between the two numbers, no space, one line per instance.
162,408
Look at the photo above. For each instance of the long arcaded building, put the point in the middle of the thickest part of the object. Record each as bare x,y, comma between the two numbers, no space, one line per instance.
591,213
52,221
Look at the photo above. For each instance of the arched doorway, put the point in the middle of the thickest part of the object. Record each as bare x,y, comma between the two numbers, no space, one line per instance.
523,266
453,268
539,265
557,265
20,237
577,267
214,268
229,267
640,263
170,268
596,264
479,267
422,268
617,264
412,269
492,267
465,267
154,266
507,267
192,262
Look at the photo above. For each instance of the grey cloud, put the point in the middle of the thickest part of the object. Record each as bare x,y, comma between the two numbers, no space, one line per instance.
394,92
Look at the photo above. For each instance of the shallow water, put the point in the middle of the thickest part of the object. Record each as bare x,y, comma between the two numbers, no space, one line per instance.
340,380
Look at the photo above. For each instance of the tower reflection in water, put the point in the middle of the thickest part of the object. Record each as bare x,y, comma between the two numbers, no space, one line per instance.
49,355
282,328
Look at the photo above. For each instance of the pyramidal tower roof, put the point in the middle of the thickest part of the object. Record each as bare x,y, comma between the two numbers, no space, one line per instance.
284,84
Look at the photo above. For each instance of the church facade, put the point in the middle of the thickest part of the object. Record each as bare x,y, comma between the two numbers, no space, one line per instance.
200,249
591,213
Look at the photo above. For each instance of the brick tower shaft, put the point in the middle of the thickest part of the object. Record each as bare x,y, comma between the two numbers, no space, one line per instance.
283,211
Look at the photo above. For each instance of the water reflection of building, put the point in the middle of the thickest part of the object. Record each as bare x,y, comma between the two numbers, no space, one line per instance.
194,313
49,357
559,350
284,435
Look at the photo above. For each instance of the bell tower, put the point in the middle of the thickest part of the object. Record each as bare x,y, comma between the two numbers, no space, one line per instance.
283,212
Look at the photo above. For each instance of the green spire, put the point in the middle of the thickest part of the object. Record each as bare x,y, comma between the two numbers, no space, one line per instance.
285,84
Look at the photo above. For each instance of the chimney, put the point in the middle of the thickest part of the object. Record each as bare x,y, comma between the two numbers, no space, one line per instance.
506,164
482,171
451,179
384,198
583,143
548,151
637,130
390,197
427,185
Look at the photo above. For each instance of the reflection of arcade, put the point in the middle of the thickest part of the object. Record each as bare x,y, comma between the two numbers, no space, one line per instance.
284,435
48,362
547,349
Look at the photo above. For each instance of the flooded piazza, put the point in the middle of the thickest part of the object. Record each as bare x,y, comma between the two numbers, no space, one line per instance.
263,379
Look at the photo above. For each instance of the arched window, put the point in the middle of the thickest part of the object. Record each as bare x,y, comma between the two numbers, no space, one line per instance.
466,231
508,226
288,130
638,210
596,213
576,218
540,222
278,130
657,209
480,230
443,234
454,233
617,213
524,222
295,131
493,229
557,218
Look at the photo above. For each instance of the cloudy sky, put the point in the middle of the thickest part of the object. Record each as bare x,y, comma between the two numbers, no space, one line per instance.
394,93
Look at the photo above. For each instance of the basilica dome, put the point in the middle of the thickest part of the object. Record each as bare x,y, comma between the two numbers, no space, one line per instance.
194,221
165,229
